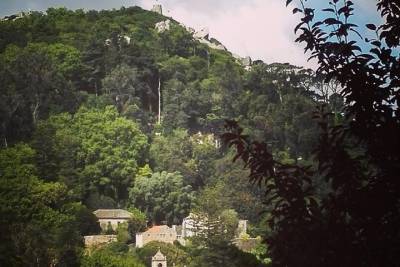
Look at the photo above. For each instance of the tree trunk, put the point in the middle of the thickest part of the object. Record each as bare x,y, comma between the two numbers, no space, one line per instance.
95,87
4,133
159,100
35,113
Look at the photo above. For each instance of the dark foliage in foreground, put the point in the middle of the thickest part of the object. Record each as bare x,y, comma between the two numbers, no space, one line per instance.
356,223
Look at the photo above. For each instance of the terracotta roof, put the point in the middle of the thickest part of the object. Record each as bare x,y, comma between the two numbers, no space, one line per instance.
112,214
159,229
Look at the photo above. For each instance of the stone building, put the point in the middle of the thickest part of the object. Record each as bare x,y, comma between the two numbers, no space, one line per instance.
242,228
157,8
189,226
95,241
203,33
112,217
161,233
159,260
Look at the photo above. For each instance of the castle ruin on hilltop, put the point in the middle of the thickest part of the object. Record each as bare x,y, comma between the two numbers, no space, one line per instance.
202,36
157,8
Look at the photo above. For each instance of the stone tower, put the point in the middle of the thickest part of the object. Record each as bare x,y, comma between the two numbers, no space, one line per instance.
157,8
159,260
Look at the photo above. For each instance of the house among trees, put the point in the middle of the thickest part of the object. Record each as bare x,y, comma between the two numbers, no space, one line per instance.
112,218
162,233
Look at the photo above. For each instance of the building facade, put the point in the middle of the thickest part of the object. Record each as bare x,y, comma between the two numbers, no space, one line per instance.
112,217
159,260
94,241
157,8
162,233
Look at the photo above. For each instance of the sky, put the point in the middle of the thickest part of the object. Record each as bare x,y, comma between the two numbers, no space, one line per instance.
261,29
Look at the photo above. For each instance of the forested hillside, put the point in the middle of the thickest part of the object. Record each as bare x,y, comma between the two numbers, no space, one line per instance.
80,130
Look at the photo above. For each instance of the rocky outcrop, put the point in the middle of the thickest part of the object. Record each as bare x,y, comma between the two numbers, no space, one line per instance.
163,26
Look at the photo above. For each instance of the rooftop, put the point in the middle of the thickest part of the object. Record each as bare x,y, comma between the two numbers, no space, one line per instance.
159,229
159,256
112,214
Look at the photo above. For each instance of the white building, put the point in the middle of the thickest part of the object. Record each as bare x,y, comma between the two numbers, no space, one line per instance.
189,226
159,260
162,233
112,217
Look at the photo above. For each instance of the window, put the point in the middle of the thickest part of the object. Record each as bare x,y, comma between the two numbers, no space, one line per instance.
160,265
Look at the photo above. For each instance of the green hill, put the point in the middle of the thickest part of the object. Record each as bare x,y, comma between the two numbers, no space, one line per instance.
80,99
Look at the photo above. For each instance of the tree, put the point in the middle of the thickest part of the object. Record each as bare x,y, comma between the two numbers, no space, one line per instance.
123,234
241,196
96,152
215,222
192,156
126,87
176,256
33,86
355,223
109,257
177,41
67,60
162,196
39,223
137,223
222,255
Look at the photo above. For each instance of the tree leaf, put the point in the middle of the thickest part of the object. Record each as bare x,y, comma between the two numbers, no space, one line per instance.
296,10
371,27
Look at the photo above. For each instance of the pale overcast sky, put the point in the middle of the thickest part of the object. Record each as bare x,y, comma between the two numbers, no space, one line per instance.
262,29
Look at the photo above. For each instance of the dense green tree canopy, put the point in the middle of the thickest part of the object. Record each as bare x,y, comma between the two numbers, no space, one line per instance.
38,222
96,151
113,256
162,196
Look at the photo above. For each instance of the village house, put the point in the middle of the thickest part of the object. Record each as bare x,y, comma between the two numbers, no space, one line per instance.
162,233
112,217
